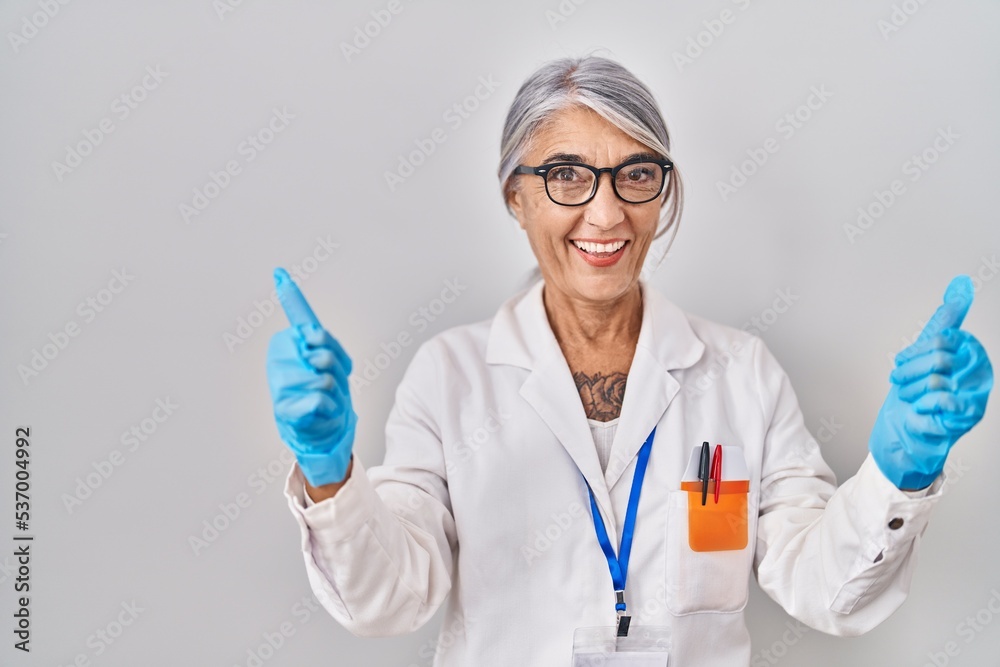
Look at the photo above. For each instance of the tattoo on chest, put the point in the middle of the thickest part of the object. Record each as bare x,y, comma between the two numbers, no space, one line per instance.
602,394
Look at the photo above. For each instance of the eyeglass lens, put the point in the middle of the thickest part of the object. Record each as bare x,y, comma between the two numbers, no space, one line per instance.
636,183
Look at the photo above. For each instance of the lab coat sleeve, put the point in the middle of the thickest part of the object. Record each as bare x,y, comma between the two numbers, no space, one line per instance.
379,555
838,559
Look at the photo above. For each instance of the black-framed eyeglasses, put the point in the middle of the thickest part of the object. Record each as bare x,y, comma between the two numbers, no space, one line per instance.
636,181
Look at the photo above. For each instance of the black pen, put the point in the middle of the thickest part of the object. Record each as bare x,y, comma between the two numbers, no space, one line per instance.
703,471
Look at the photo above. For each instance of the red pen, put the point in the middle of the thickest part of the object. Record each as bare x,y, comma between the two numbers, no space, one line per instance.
716,472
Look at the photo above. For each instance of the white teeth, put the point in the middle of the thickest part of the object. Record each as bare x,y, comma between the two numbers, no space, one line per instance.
599,247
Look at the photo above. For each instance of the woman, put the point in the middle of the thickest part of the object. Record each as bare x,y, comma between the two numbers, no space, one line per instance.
514,442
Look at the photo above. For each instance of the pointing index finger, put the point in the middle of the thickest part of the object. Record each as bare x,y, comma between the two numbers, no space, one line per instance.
957,300
293,302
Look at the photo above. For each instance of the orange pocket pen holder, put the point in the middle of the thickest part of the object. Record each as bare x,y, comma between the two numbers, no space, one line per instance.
718,525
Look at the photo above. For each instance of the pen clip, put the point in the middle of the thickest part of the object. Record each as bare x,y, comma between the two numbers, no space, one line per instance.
716,471
704,471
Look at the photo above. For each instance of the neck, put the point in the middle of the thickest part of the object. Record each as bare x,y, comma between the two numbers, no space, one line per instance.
586,324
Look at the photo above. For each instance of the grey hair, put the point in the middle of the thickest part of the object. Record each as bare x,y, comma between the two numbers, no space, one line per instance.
611,91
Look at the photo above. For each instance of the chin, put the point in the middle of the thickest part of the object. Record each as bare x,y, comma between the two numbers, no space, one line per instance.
604,287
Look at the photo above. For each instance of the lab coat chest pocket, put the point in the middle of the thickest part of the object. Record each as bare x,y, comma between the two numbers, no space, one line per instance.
712,576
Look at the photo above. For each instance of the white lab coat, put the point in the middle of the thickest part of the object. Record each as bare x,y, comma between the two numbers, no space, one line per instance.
480,504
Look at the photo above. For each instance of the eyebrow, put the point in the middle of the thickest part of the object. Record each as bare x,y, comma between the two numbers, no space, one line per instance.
573,157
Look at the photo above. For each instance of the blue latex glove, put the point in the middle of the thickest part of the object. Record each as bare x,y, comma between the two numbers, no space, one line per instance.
307,372
939,391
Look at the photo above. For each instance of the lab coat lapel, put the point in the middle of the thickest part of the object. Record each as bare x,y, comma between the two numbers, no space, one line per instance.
521,335
666,342
552,393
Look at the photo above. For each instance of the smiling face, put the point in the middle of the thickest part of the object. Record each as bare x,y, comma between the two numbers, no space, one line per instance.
593,252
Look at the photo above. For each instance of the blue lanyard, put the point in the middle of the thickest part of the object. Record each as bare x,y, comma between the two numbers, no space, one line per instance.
619,565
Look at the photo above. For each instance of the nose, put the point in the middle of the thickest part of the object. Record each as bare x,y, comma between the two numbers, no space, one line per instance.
605,210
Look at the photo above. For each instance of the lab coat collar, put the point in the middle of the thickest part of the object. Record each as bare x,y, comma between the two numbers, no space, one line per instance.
520,335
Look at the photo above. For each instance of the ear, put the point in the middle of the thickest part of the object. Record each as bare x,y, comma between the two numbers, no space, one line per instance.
666,191
516,203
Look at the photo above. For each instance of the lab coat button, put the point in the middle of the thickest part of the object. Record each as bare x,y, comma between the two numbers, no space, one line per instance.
896,523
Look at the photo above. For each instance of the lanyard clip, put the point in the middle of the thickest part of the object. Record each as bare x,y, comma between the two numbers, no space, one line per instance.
623,623
623,619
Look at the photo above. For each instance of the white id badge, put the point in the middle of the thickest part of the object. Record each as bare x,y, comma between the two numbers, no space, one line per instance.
645,646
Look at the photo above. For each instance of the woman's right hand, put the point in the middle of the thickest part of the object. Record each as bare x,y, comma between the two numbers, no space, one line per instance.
307,373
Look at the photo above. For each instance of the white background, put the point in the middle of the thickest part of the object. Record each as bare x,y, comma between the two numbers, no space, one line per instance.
857,300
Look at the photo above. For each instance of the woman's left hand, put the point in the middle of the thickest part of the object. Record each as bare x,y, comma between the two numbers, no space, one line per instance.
939,390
